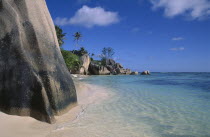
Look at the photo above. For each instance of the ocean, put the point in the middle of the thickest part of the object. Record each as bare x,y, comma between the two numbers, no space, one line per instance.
156,105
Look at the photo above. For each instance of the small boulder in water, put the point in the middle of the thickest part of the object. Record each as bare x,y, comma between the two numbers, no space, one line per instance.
145,72
135,73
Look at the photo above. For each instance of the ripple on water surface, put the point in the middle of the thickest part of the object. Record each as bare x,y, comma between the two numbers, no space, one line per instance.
160,105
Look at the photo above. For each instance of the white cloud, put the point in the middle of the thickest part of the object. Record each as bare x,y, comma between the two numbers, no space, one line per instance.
178,49
177,38
89,17
61,21
196,9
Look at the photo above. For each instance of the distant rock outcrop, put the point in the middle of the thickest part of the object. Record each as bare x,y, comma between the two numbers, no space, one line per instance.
95,69
111,68
145,72
123,71
34,80
135,73
117,68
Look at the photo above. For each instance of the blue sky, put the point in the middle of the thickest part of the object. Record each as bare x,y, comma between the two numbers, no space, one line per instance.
155,35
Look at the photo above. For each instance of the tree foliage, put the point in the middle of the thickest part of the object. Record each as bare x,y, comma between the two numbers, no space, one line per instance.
107,53
80,52
77,37
72,61
60,35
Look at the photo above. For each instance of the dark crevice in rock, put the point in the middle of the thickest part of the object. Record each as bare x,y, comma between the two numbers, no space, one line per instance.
1,5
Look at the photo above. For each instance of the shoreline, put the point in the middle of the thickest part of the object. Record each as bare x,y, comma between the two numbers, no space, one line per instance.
87,94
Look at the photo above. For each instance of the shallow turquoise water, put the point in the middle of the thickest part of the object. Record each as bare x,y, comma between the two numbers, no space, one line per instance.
159,105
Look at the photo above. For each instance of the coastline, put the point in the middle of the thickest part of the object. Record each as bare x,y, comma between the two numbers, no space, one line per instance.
87,94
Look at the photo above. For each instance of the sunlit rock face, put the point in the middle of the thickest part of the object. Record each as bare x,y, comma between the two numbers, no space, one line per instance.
34,80
85,62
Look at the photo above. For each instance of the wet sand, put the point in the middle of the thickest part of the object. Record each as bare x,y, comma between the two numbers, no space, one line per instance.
16,126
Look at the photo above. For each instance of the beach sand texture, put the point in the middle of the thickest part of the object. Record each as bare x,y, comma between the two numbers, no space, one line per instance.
16,126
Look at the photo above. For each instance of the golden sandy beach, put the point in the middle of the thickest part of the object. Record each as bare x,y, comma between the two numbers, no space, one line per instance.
16,126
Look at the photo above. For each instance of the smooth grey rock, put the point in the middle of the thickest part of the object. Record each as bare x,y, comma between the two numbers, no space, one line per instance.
98,70
104,71
85,62
34,80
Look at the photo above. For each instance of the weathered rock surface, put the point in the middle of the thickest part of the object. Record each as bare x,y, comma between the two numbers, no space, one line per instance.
84,62
34,80
145,72
135,73
118,65
116,68
95,69
123,71
111,62
111,68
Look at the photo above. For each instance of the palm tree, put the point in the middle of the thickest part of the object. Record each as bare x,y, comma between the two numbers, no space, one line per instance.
60,35
77,37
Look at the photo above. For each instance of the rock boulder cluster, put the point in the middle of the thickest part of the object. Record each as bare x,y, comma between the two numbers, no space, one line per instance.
89,67
112,68
95,69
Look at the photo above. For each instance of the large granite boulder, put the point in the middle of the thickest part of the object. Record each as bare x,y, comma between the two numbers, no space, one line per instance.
95,69
145,72
114,67
34,80
104,71
84,63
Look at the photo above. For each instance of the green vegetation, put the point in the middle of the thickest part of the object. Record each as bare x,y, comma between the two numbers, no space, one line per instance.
60,35
97,62
72,58
91,57
72,61
80,52
108,52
